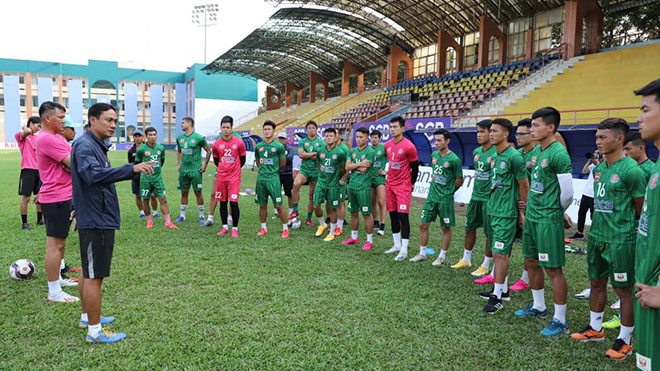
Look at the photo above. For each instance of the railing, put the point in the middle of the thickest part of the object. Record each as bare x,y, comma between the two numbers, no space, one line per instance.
568,117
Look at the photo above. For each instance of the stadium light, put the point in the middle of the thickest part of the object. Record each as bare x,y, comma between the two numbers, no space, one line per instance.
205,15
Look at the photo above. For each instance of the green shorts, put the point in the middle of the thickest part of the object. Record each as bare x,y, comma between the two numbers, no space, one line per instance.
647,337
268,187
544,241
343,193
378,180
324,193
359,200
443,209
149,186
501,232
190,179
311,176
611,260
475,215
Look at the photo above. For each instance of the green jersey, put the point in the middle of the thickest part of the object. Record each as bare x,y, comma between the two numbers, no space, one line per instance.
156,154
482,160
615,187
543,201
268,157
647,254
331,162
647,167
507,168
190,147
380,159
445,170
360,180
528,159
310,146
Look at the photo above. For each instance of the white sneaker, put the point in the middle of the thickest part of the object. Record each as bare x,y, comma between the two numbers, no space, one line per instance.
418,258
393,250
380,232
207,223
62,297
584,294
68,282
616,305
438,262
401,257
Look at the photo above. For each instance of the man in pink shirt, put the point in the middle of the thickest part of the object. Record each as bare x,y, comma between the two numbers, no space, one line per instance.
29,182
229,157
401,176
53,160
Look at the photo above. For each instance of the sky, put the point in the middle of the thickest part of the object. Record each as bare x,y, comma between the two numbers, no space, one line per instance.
150,34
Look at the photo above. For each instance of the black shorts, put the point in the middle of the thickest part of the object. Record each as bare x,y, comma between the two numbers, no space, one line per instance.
57,218
96,247
287,183
29,182
135,186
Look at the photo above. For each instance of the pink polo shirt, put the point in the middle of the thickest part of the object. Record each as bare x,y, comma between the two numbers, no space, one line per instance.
56,183
28,148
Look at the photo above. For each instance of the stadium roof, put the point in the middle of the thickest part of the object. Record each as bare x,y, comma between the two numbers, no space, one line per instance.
295,41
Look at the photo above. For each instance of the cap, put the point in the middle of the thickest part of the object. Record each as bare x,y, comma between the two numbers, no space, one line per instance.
282,135
68,122
137,132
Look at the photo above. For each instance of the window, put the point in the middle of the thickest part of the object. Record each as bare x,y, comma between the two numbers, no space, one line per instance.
471,48
544,23
424,61
517,39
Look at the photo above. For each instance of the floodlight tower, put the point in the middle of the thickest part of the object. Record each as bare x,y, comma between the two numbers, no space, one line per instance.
205,15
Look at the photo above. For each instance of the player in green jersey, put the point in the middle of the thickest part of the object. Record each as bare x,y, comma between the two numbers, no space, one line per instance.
551,193
446,179
270,156
526,144
618,197
635,148
506,207
378,178
150,184
647,250
343,194
308,173
190,167
476,215
359,163
332,161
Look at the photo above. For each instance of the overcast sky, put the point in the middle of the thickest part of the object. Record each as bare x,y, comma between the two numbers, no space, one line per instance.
150,34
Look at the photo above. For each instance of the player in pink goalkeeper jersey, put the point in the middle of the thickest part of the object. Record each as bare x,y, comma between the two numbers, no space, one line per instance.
229,156
401,176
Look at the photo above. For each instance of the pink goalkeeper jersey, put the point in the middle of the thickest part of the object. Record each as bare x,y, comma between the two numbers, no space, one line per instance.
51,150
28,147
229,152
399,156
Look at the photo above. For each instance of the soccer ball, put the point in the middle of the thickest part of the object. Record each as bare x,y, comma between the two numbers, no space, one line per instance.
294,223
21,269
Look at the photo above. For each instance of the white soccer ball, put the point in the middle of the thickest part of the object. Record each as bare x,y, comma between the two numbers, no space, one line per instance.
294,223
21,269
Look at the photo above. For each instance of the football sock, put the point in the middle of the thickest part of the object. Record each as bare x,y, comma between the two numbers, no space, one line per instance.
354,235
234,228
83,317
167,218
149,218
321,221
404,246
54,288
396,224
200,208
467,255
596,320
340,223
382,226
223,212
505,286
396,237
93,330
422,250
370,238
309,216
183,210
405,225
560,313
539,300
285,227
154,213
275,212
225,226
376,224
443,254
264,226
24,218
525,276
235,213
295,208
141,212
332,228
625,333
210,217
486,263
290,211
497,290
62,264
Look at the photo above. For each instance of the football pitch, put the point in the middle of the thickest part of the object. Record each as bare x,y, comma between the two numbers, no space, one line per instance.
191,300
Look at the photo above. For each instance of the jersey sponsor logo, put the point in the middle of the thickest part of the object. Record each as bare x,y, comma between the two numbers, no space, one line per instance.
492,164
544,163
222,146
537,187
445,220
379,153
322,155
528,164
403,207
159,152
643,362
234,146
279,199
533,160
614,179
363,157
273,149
147,153
476,158
502,165
234,196
181,140
446,164
389,150
543,257
354,155
498,245
488,159
261,149
365,209
335,203
654,181
334,157
597,177
400,151
621,277
435,161
192,141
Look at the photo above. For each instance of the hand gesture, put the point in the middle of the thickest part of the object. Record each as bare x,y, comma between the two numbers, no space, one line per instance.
648,296
144,167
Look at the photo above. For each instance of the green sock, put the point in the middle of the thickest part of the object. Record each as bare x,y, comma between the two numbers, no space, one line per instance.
309,216
295,207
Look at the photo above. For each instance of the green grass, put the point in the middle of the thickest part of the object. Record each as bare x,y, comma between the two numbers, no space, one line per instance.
189,299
